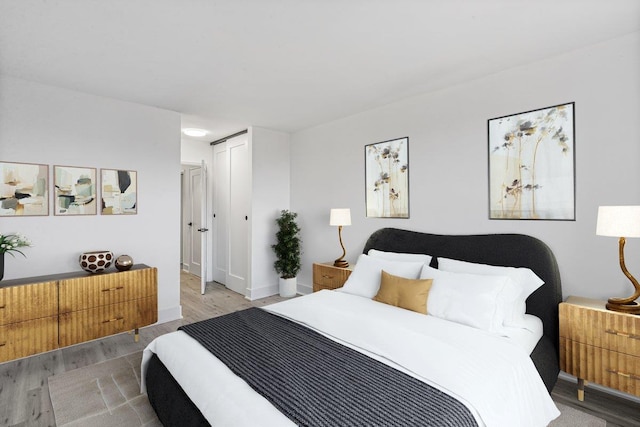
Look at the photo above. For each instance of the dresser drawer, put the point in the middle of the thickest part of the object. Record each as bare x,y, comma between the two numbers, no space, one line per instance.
98,322
27,302
23,339
608,368
329,277
601,328
104,289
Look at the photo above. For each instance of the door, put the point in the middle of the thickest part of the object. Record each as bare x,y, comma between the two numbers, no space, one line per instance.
231,200
203,230
195,221
239,192
220,213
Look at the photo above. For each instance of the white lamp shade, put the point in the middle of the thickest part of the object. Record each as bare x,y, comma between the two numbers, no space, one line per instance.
618,221
340,217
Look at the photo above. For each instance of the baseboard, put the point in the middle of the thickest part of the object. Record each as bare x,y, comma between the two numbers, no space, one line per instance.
267,291
617,393
263,292
169,314
305,289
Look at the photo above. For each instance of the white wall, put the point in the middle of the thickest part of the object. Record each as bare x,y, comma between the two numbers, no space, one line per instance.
269,195
447,134
53,126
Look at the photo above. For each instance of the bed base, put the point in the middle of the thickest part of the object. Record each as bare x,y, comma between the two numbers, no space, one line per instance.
171,403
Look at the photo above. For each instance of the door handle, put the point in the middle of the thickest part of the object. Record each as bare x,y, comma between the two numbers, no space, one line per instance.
202,230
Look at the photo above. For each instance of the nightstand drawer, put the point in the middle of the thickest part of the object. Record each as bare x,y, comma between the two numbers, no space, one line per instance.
608,368
600,328
326,276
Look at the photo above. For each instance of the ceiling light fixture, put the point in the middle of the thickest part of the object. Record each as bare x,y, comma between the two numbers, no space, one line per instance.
194,132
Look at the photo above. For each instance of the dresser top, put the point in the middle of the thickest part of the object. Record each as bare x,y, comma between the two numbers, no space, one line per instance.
62,276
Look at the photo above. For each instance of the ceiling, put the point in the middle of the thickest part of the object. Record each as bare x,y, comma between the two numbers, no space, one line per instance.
288,64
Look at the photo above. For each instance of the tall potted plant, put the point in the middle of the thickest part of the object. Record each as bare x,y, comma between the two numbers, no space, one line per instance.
287,249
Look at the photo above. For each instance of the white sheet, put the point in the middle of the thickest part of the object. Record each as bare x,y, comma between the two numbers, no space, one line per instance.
528,336
493,377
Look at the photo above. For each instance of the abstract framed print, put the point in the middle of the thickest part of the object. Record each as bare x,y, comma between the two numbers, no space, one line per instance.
24,189
387,178
119,192
532,165
75,190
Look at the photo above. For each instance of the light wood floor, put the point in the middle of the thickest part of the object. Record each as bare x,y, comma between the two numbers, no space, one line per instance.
24,391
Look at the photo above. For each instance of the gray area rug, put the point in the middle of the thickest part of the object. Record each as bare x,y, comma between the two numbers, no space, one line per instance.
102,395
107,394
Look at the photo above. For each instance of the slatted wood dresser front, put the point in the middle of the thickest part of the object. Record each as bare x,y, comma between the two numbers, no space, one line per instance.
39,314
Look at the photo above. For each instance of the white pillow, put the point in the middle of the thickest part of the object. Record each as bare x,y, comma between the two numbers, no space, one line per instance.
398,256
475,300
365,277
525,279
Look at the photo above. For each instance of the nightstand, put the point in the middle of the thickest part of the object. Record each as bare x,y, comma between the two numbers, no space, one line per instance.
326,276
600,345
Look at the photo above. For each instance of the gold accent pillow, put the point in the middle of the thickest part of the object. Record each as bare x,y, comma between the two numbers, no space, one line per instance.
410,294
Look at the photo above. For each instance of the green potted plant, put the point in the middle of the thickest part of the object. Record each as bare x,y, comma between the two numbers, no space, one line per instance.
287,249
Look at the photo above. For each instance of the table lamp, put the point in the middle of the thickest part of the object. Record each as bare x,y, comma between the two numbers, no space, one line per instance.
340,217
622,222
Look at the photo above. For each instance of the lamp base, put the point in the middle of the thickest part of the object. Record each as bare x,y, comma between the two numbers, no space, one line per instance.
341,263
629,308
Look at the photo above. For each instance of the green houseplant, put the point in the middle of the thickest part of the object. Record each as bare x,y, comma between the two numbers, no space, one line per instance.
287,250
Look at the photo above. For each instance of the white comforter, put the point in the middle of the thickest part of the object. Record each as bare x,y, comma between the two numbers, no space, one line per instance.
494,378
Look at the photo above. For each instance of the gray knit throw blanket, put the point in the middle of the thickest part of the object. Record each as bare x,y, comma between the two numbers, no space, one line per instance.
315,381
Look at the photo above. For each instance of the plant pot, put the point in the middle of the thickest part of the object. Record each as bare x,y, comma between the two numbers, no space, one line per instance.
1,265
288,287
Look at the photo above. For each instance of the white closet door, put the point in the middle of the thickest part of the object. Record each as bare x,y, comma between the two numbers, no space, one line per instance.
239,204
220,213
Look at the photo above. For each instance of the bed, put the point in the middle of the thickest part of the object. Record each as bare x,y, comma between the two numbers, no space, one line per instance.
169,360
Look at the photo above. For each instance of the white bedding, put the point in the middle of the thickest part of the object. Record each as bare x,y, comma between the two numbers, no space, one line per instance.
491,375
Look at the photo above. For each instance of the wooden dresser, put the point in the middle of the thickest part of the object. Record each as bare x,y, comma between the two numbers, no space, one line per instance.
326,276
600,345
43,313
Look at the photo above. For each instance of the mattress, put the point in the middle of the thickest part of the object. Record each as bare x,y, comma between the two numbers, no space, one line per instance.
492,375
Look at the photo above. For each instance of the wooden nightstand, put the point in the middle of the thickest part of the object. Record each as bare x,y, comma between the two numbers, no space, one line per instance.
326,276
600,345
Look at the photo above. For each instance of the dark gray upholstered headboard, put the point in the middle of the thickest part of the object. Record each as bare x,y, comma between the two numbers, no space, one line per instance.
511,250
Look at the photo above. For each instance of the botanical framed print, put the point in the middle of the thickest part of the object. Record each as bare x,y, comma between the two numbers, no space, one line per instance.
119,192
531,165
75,190
24,189
387,178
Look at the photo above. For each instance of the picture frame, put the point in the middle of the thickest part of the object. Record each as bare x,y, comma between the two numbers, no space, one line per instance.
24,189
387,178
75,190
119,192
532,164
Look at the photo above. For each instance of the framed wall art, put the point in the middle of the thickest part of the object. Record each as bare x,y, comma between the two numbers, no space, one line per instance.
531,165
387,178
75,190
119,192
24,189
